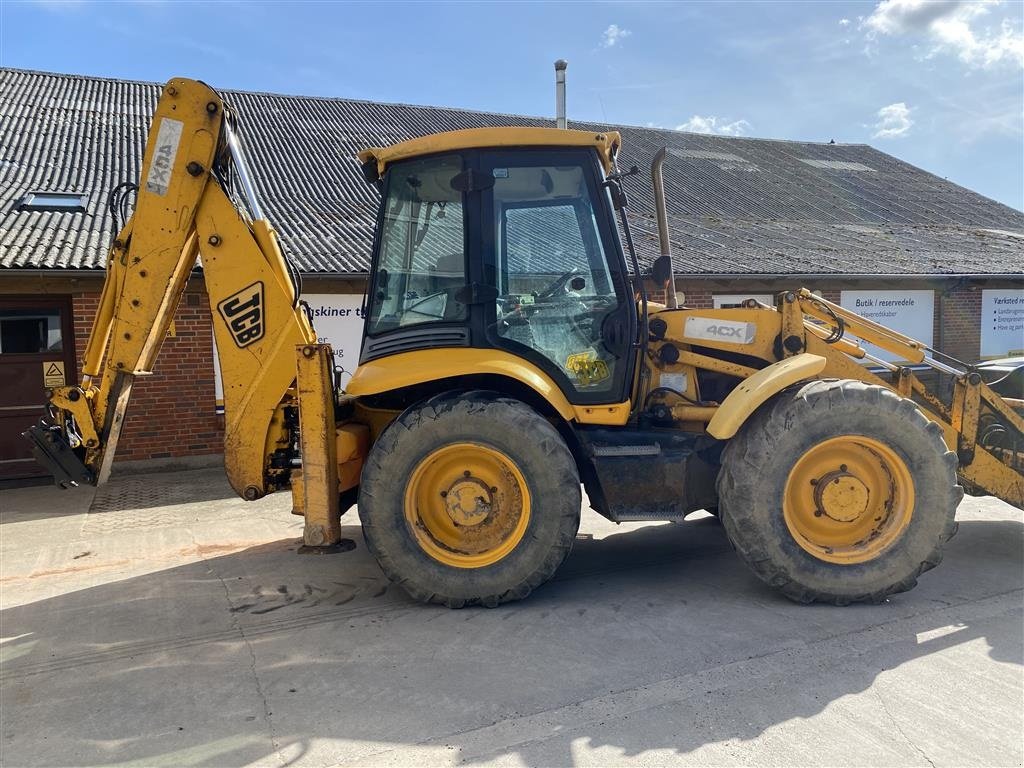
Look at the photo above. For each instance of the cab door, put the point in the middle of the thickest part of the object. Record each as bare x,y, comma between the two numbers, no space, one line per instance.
552,253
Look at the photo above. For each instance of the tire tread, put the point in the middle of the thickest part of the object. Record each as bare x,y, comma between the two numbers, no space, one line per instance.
516,418
741,490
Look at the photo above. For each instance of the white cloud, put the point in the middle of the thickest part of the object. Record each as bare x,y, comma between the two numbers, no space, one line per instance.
844,22
614,35
712,124
950,26
894,122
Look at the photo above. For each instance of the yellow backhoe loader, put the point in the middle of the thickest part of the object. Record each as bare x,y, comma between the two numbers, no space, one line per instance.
511,354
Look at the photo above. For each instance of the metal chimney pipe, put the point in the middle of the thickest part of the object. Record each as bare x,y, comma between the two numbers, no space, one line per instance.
560,120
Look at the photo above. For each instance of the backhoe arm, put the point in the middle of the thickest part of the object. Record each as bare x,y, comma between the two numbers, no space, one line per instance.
183,212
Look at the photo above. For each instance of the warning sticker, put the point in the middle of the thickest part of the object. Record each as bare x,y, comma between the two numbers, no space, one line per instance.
586,368
53,374
162,162
674,381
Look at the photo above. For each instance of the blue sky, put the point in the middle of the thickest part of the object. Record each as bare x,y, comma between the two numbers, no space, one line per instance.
940,84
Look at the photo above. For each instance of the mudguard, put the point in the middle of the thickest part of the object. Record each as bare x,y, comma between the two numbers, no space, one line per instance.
754,391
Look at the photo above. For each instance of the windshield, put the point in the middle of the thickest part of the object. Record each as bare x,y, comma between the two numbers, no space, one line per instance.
421,268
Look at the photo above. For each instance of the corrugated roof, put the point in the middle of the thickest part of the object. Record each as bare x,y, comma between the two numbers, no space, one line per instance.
736,205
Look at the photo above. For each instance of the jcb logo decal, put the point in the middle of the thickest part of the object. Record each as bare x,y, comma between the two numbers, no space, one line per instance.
243,314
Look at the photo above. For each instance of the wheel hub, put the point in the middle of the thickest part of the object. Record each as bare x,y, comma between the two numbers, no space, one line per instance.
467,505
842,496
468,501
848,499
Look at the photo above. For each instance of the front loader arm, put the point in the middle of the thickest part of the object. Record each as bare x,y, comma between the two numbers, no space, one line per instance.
183,211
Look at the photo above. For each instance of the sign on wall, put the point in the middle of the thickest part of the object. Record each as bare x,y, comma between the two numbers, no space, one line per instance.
1002,322
909,312
53,374
338,320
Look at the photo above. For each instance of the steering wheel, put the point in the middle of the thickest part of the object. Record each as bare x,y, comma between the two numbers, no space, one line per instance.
557,286
421,305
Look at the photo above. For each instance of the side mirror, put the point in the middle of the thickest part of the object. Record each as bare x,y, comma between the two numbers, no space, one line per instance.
661,270
578,284
618,195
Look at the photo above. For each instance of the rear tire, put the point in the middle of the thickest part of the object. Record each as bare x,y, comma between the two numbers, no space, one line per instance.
839,492
470,500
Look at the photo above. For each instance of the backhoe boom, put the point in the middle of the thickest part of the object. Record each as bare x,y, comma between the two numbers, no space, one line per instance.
183,212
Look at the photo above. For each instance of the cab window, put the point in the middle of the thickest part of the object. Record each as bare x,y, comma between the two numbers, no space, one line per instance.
421,269
555,288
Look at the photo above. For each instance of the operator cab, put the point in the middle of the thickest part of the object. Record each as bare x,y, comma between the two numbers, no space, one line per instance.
507,248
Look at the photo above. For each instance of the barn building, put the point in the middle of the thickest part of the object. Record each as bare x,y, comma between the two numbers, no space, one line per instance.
748,217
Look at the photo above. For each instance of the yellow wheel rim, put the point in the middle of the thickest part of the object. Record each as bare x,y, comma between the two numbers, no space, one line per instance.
848,499
467,505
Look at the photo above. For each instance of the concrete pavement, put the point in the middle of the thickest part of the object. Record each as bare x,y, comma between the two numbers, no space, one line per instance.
165,622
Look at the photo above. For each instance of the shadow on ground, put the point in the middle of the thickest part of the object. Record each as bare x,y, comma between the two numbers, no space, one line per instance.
14,483
263,656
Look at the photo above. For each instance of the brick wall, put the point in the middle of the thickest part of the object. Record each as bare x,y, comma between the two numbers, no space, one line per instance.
698,298
958,322
171,413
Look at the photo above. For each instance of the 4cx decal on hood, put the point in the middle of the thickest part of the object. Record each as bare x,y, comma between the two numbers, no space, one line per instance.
243,314
715,329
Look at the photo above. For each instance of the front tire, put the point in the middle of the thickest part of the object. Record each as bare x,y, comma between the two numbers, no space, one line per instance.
470,500
839,492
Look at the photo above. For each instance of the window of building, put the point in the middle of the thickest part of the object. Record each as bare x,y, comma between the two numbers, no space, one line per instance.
734,300
30,331
71,202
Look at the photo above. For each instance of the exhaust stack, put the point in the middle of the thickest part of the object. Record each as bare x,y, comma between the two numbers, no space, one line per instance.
661,212
560,120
